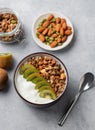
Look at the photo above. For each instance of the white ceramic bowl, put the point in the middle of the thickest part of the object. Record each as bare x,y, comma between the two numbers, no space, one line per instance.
44,46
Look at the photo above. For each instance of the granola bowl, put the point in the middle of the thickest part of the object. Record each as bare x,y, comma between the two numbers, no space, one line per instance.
41,79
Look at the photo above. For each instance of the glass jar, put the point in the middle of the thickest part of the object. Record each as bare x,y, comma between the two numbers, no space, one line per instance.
15,34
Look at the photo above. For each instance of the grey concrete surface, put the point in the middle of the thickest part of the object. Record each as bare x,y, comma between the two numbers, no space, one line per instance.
79,58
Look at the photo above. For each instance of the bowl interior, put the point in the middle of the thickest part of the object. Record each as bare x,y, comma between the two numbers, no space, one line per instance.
44,46
26,59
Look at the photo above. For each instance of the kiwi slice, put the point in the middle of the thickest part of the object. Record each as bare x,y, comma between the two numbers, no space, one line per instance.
25,67
5,60
48,94
44,88
38,79
41,83
29,71
33,76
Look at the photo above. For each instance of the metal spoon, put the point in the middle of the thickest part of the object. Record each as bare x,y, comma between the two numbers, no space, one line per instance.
85,83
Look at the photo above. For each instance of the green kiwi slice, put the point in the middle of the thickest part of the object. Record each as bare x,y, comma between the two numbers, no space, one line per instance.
33,76
29,71
48,94
44,88
38,79
25,67
41,83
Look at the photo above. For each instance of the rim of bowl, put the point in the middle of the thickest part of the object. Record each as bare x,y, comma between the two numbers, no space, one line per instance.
30,55
56,48
9,10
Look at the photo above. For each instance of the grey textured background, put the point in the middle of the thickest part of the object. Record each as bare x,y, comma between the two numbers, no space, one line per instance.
79,58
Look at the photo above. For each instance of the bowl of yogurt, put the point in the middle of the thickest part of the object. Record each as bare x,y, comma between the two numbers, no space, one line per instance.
41,79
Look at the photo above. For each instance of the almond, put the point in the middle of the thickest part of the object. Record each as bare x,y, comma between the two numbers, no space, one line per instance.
45,31
50,32
41,37
53,25
62,31
68,32
53,44
58,39
64,26
64,38
63,20
50,17
57,27
46,23
54,35
41,29
58,20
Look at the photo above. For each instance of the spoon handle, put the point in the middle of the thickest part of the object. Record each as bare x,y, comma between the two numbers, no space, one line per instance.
64,116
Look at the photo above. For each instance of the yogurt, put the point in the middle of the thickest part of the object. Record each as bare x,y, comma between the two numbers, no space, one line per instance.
27,91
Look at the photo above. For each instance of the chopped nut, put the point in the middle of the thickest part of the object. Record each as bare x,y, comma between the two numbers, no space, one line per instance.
43,71
63,76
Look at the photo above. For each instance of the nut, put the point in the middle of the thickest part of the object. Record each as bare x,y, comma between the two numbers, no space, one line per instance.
53,44
50,17
58,20
41,37
68,32
64,25
64,38
46,23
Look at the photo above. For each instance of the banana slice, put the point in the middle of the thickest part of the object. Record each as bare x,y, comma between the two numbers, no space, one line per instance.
5,60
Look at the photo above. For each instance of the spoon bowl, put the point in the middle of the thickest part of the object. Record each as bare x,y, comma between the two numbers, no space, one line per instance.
86,82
